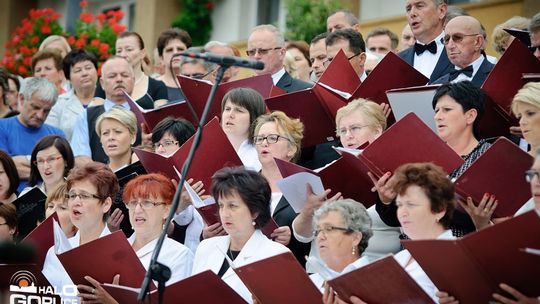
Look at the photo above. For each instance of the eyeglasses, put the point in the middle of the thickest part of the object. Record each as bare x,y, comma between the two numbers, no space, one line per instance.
83,196
533,48
530,174
165,144
144,204
49,160
354,129
329,229
270,138
328,60
457,38
261,51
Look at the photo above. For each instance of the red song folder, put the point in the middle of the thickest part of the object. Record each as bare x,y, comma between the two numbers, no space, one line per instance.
42,238
408,141
500,172
505,79
102,259
340,75
152,117
204,287
197,91
156,163
279,279
383,281
471,268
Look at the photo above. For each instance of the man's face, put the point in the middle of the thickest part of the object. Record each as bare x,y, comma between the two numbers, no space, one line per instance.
338,21
193,69
535,42
407,38
380,44
357,62
262,46
425,18
117,75
317,56
466,42
34,111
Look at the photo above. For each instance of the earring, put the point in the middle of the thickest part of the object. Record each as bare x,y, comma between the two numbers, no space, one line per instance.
253,223
353,250
437,219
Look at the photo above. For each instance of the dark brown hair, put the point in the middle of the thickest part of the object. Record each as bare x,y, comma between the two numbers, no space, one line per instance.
11,172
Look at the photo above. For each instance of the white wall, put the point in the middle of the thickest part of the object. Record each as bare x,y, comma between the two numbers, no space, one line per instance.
232,20
372,9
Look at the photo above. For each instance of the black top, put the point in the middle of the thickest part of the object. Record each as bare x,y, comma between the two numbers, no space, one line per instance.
156,90
225,266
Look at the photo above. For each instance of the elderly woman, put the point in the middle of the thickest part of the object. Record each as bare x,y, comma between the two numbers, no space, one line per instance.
91,191
47,63
50,162
342,230
57,202
9,178
239,109
243,197
80,67
117,131
8,222
148,198
278,136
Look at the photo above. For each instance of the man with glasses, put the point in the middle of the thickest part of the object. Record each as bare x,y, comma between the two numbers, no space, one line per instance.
534,29
352,44
267,44
463,42
428,55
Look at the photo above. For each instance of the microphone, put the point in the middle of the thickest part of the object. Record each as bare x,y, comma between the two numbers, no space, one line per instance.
225,60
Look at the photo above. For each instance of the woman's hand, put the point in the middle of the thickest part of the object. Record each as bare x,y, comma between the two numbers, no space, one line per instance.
445,298
521,298
95,293
383,188
482,213
386,109
115,219
330,297
185,200
282,235
213,230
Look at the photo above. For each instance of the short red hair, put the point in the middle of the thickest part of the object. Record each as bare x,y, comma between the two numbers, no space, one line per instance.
150,186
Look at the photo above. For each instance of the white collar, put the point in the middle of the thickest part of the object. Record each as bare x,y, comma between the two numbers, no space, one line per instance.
109,104
475,64
277,76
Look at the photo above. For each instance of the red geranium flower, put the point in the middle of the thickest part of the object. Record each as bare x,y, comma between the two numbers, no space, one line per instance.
46,29
22,70
86,17
83,3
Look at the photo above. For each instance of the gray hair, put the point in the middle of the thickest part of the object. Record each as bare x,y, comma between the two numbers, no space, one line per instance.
46,89
208,66
354,216
278,36
210,44
535,23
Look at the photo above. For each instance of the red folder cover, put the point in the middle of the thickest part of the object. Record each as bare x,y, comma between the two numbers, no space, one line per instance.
275,91
155,163
347,175
391,73
383,281
471,268
152,117
205,287
42,238
408,141
197,91
505,79
102,259
215,152
287,283
340,74
499,171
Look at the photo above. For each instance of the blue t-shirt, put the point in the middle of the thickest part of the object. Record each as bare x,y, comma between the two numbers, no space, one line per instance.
17,139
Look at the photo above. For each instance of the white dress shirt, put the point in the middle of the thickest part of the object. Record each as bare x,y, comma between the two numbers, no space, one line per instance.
475,64
318,280
277,76
195,225
425,63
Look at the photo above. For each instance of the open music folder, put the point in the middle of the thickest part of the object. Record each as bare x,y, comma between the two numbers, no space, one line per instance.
30,211
204,287
340,76
41,239
500,172
471,268
102,259
382,281
279,279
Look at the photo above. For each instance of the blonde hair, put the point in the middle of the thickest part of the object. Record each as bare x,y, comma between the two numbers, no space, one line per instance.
57,194
529,94
373,113
290,65
292,128
123,116
52,38
500,36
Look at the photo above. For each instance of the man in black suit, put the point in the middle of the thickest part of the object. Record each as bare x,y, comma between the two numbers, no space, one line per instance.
266,43
463,42
426,19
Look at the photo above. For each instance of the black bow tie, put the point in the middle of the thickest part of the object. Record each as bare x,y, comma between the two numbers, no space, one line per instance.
466,71
420,48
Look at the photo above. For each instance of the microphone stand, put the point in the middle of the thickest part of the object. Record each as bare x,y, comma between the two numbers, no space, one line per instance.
157,271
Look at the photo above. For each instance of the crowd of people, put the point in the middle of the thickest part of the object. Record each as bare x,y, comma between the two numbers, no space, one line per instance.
67,130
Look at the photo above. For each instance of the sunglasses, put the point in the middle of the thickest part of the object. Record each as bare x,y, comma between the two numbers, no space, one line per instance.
457,38
261,51
533,49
